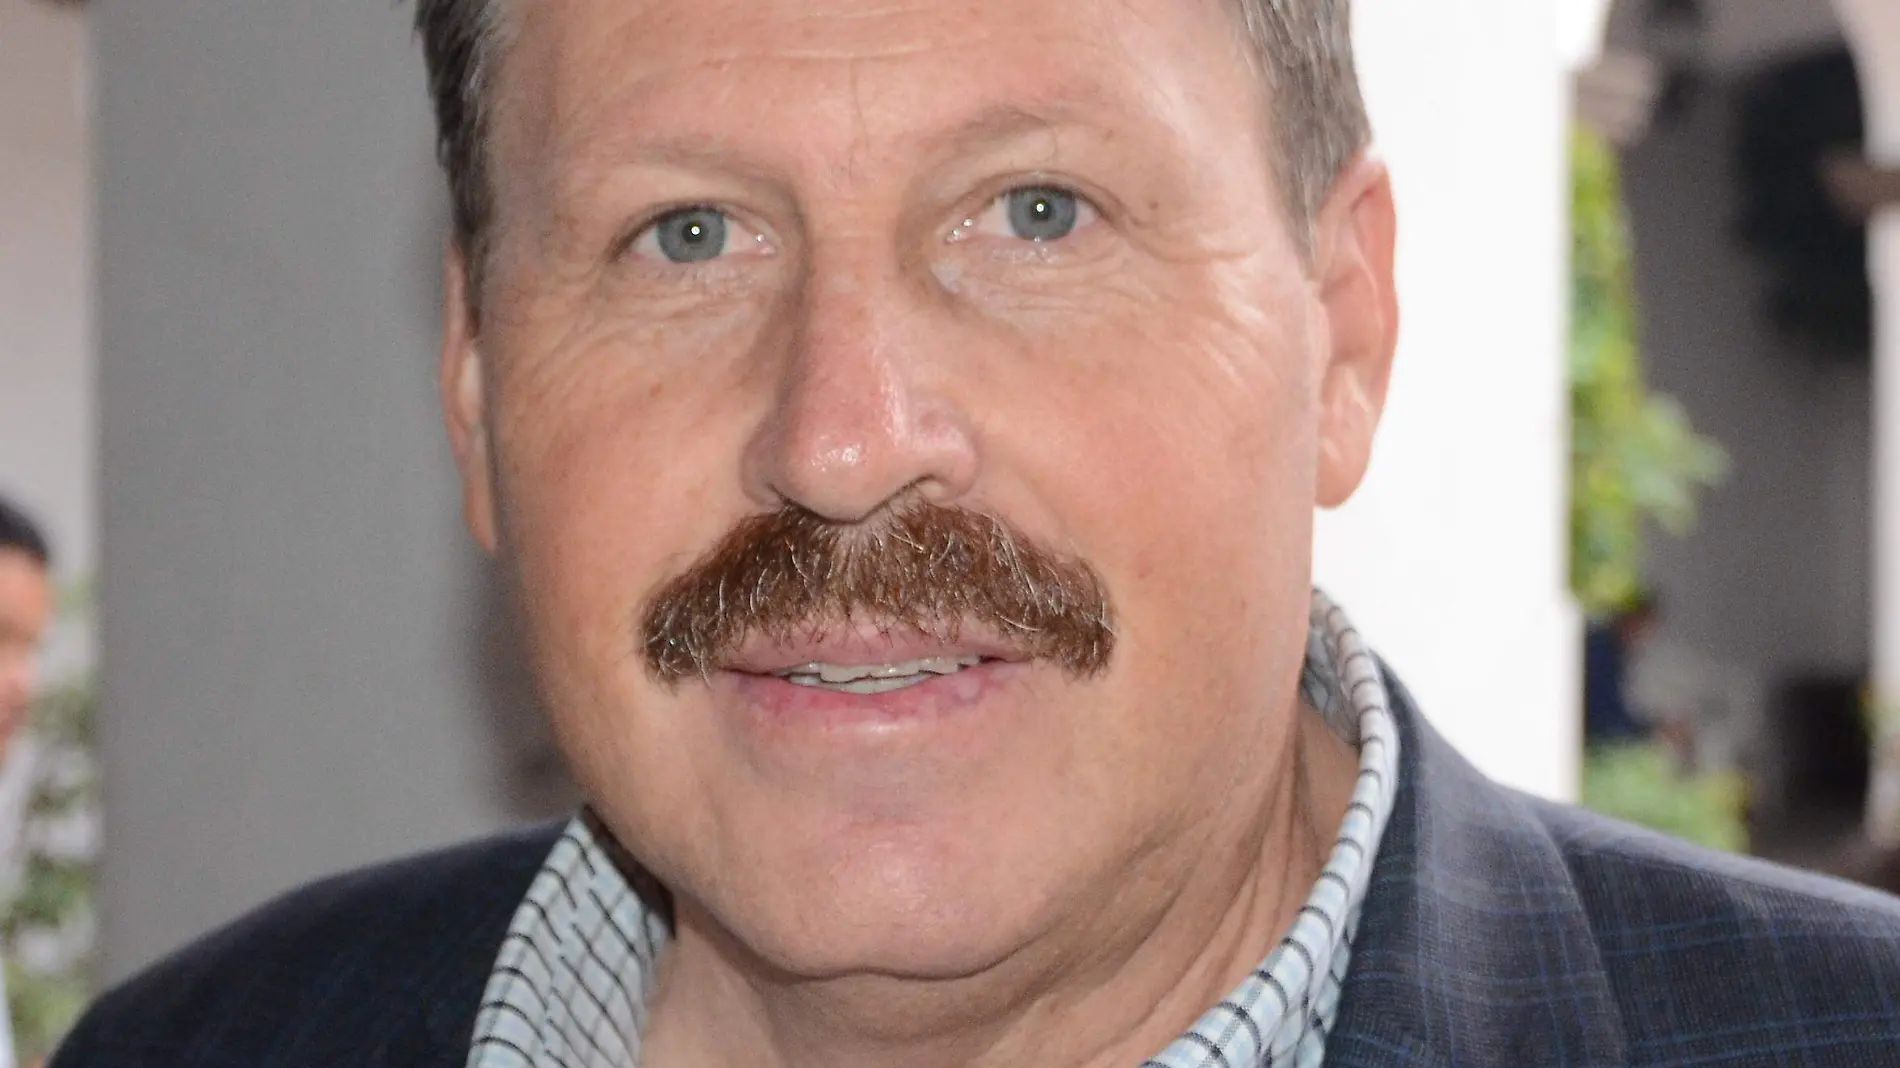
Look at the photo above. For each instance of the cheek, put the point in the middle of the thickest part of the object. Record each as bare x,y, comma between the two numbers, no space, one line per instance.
616,463
616,468
1183,457
1186,432
1212,503
611,431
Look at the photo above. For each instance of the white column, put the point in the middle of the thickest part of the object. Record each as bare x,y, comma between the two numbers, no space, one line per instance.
1453,556
1580,28
1873,29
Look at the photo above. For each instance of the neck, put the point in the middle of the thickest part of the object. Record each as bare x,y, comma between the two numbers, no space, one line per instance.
1106,997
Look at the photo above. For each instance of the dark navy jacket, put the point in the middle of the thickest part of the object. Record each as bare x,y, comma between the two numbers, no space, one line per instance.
1499,932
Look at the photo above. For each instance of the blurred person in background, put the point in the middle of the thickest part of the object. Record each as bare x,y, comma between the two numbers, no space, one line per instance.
26,611
902,427
1609,647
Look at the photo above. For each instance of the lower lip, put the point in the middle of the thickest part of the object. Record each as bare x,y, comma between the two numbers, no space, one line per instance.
786,704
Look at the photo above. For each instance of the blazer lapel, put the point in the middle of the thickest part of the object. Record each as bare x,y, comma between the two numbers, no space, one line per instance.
1473,949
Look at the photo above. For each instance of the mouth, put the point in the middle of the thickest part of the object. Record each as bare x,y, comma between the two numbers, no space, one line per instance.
838,675
878,678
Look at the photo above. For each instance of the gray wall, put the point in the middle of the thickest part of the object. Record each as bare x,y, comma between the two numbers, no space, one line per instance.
302,667
1738,34
1776,577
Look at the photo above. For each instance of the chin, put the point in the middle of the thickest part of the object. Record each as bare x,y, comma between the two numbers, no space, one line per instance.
870,935
932,899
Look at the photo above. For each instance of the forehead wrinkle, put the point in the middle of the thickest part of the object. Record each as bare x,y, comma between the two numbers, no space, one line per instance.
834,44
592,149
861,149
710,58
881,31
650,21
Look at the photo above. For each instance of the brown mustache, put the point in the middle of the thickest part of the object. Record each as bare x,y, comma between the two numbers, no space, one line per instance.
923,568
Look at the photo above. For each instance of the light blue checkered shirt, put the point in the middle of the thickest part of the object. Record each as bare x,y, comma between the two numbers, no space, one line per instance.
577,968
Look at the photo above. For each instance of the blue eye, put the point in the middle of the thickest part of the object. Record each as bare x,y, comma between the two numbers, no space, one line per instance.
1038,214
691,235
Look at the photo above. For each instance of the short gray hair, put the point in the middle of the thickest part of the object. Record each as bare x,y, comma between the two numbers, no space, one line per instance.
1303,47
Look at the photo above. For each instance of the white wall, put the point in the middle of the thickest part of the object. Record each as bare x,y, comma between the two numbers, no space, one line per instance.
1581,25
1875,32
1453,558
46,423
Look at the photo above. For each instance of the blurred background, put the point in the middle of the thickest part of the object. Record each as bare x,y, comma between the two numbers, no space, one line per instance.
1632,533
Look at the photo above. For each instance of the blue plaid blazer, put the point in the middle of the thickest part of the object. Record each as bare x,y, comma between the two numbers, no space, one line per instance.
1499,932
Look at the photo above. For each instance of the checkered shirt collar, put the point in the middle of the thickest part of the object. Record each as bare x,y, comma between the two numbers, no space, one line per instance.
577,968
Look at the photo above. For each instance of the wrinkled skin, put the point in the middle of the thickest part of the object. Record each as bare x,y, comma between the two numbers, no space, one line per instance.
1166,392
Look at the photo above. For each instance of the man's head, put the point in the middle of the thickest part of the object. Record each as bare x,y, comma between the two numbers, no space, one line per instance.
902,426
26,606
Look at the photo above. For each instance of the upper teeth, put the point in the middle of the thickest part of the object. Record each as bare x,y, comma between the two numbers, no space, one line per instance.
819,674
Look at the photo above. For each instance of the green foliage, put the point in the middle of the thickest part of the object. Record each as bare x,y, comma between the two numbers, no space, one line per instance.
1878,717
46,934
1635,459
1641,784
44,1008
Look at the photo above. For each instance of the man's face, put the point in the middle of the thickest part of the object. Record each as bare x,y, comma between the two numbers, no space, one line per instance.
845,260
26,605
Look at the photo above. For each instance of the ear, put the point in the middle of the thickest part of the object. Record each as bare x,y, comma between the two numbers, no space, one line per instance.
1354,241
464,403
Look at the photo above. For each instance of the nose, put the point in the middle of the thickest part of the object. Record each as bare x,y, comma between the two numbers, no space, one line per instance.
861,418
